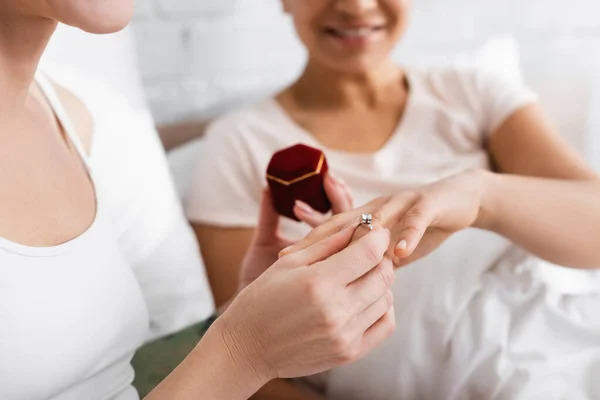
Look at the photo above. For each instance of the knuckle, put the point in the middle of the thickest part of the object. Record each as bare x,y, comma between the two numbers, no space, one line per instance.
332,322
389,299
372,255
391,329
315,291
387,277
290,260
373,249
407,195
397,261
419,210
337,219
346,349
410,227
391,324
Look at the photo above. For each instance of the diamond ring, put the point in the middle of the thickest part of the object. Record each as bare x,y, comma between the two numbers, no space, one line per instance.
367,219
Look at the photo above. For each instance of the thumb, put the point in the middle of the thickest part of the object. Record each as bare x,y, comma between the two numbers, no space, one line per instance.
268,220
339,194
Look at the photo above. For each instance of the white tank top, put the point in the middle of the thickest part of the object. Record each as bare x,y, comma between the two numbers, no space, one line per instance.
71,316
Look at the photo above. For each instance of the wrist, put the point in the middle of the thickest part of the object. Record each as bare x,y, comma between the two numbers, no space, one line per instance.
487,183
212,371
243,352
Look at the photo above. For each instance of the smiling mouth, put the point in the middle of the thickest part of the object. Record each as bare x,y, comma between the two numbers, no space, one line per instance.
354,33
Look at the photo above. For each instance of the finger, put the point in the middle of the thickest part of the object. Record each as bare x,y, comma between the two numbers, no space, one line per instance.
388,215
358,258
378,219
321,250
339,194
327,229
413,226
431,241
268,220
393,210
379,332
371,287
362,322
335,224
308,215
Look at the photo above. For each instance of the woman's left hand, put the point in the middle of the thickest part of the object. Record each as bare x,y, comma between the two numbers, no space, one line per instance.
420,219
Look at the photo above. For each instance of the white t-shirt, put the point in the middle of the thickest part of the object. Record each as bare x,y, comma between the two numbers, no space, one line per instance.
73,315
448,115
477,318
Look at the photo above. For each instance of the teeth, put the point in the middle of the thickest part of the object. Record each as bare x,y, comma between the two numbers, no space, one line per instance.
354,33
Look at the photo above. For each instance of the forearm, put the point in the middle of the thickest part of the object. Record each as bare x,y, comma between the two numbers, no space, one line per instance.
157,359
174,135
210,372
558,221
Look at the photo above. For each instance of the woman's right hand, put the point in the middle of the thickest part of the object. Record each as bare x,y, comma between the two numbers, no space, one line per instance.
313,310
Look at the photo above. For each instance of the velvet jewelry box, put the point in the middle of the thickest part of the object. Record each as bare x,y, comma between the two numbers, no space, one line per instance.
298,173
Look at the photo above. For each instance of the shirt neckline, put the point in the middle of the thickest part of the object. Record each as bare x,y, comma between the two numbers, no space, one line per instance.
10,246
400,131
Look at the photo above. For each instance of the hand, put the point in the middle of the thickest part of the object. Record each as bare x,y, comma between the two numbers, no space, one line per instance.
420,219
315,309
338,193
268,242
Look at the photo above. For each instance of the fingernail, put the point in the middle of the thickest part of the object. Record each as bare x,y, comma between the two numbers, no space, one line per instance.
402,245
304,207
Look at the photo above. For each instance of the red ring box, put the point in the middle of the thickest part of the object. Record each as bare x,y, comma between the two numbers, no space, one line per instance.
298,173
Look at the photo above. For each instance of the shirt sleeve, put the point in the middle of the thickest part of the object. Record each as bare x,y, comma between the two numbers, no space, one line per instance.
134,183
497,98
226,186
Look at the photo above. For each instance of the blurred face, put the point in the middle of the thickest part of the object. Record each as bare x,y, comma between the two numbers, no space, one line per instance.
95,16
349,35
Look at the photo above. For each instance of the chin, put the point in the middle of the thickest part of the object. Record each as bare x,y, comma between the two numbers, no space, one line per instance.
360,66
104,27
96,16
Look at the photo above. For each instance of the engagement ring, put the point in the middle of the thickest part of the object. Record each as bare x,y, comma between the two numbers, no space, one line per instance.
367,219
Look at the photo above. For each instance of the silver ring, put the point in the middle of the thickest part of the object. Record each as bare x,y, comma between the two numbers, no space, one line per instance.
367,220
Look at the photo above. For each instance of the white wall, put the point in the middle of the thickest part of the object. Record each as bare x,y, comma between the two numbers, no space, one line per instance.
200,54
110,59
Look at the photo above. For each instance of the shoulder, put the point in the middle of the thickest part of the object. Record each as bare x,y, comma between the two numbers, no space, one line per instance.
79,115
83,95
449,83
105,119
468,86
254,120
252,131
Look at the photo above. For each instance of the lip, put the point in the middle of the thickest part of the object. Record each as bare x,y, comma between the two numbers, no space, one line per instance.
357,34
355,25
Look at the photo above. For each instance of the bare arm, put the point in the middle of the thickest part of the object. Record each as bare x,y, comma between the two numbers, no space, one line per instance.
212,371
547,199
223,250
173,135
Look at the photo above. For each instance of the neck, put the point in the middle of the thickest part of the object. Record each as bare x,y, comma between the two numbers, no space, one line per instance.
326,86
23,40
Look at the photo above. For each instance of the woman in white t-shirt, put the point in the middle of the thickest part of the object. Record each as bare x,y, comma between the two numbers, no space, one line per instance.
478,317
96,256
